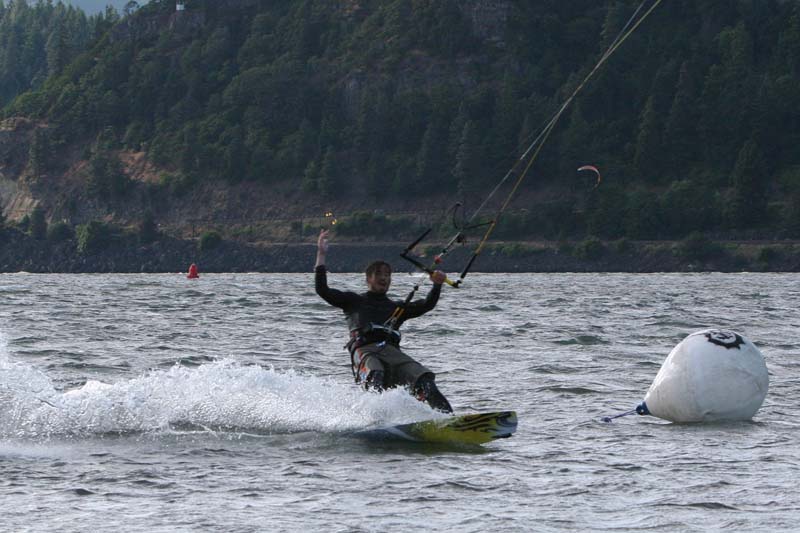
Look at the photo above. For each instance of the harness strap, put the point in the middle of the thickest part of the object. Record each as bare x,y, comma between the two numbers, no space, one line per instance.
371,334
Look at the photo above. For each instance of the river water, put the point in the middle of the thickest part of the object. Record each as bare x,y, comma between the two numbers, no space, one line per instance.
157,403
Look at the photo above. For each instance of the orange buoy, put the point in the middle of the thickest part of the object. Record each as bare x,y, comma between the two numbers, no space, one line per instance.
193,272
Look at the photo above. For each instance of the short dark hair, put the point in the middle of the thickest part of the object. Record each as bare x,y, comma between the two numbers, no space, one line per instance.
375,265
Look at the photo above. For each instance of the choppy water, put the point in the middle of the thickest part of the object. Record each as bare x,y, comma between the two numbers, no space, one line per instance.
156,403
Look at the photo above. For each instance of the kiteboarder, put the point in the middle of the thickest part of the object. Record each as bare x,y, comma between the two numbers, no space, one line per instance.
377,361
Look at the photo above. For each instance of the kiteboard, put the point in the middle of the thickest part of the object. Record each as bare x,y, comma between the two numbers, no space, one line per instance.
471,429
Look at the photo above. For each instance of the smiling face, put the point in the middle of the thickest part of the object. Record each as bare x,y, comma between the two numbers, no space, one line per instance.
379,278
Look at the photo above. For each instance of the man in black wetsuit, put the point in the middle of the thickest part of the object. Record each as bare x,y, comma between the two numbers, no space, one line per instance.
378,363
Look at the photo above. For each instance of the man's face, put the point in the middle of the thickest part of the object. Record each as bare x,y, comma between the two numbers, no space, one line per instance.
380,280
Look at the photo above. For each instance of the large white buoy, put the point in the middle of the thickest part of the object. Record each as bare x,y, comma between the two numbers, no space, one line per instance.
710,375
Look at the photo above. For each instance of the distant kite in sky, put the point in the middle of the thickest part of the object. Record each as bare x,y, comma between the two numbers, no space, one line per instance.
593,169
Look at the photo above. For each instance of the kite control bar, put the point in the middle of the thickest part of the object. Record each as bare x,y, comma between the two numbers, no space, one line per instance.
406,254
420,265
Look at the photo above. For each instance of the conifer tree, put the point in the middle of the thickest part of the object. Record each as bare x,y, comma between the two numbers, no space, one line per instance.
57,51
789,43
681,124
431,161
506,121
327,182
748,203
310,177
648,144
576,139
377,184
614,21
148,229
467,159
235,155
38,224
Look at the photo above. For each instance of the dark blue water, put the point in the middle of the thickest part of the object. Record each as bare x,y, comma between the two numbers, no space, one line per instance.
156,403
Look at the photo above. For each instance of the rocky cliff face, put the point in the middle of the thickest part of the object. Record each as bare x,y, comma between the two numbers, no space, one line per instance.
15,137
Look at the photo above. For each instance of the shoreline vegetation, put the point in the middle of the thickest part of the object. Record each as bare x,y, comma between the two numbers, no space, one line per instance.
165,136
98,249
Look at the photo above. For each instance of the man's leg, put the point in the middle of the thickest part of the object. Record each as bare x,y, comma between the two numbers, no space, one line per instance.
425,390
371,373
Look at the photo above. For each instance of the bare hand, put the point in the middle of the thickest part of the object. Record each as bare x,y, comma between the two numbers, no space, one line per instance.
322,241
438,277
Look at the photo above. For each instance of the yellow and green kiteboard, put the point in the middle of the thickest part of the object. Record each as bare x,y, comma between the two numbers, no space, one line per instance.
478,428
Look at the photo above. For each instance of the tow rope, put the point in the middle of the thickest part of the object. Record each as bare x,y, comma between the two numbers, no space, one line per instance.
524,162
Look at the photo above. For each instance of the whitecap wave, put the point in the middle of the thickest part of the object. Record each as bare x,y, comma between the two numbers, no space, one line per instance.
221,395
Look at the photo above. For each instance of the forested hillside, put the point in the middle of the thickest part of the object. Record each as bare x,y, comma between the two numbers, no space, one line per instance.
38,40
694,122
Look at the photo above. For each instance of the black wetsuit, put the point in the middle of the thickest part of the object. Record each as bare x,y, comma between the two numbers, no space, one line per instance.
375,349
371,308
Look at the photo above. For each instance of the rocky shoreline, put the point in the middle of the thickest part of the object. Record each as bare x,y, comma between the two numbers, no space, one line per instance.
21,253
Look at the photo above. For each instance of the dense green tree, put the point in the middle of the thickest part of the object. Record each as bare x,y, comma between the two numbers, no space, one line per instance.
328,179
311,177
615,19
688,206
431,171
38,39
649,146
788,46
235,157
644,216
387,98
748,203
791,217
576,138
148,229
57,50
209,240
377,184
680,136
38,224
506,121
467,168
606,213
59,232
93,236
106,180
